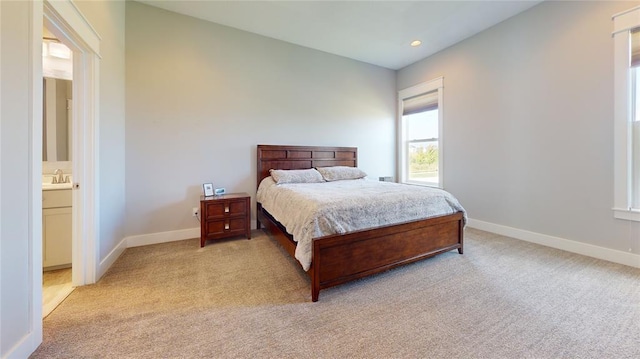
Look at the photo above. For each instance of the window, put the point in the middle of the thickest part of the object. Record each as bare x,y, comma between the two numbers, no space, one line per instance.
627,115
420,134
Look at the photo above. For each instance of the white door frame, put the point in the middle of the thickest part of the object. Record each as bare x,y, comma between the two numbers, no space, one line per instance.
65,21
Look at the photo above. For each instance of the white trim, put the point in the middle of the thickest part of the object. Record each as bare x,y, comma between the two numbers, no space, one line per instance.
626,20
69,19
24,348
111,258
162,237
35,173
1,170
65,20
421,88
628,214
625,12
622,103
85,164
585,249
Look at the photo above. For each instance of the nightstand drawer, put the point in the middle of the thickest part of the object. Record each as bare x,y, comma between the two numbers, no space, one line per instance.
225,216
225,208
225,227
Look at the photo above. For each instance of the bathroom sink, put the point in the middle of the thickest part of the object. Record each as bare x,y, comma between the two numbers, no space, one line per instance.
47,182
54,186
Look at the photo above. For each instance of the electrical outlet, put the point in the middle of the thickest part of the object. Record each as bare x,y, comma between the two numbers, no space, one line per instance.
195,211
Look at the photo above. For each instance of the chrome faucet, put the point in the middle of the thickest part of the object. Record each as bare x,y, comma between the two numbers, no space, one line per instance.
60,178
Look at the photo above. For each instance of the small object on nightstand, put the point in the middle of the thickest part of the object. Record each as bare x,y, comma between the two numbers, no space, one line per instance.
223,216
219,191
207,188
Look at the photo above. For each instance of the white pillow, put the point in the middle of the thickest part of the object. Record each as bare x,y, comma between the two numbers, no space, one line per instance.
337,173
296,176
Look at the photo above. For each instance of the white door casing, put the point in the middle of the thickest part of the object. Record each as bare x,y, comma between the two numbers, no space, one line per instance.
65,20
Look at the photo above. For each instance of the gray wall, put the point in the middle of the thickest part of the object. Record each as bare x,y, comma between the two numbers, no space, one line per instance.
201,96
107,18
528,108
15,166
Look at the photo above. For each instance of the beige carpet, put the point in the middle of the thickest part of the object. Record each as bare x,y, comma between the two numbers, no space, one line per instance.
503,298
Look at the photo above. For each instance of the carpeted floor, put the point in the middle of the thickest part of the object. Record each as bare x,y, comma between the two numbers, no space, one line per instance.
503,298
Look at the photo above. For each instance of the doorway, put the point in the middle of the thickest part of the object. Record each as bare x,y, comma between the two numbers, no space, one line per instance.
57,176
66,24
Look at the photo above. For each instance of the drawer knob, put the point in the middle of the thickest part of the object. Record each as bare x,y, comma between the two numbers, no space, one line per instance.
226,226
226,209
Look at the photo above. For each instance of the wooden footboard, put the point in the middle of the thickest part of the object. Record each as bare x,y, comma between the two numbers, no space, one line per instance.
339,259
342,258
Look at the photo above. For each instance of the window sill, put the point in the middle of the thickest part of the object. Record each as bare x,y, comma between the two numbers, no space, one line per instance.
627,214
422,184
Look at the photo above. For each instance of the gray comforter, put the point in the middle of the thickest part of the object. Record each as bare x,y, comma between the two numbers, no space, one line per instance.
311,210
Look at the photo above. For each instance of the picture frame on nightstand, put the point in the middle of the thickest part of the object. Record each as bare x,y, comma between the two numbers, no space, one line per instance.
208,189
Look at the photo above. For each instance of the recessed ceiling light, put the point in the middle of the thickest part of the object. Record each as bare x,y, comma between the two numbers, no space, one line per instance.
415,43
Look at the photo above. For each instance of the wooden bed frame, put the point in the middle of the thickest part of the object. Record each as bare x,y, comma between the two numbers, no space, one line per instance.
337,259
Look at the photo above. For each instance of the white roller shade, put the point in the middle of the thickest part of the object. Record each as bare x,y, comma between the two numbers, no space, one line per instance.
635,47
421,103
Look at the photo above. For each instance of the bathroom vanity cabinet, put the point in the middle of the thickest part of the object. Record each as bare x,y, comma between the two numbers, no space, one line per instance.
56,229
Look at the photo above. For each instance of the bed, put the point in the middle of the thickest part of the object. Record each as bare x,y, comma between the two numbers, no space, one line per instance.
340,258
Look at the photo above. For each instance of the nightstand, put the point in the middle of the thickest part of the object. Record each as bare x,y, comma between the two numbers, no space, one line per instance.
225,216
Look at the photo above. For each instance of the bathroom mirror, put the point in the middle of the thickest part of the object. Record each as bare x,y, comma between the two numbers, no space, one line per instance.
56,126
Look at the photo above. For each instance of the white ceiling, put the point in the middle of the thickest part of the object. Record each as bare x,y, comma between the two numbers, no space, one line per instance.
376,32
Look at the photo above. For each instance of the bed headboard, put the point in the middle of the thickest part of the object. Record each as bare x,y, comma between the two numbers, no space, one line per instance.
302,157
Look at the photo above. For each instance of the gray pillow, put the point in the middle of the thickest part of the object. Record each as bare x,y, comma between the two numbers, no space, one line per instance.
337,173
296,176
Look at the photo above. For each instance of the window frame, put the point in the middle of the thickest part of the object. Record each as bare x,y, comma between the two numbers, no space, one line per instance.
416,90
624,22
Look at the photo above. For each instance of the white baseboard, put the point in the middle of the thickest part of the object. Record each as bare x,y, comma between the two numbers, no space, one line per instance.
585,249
143,240
25,347
162,237
111,258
